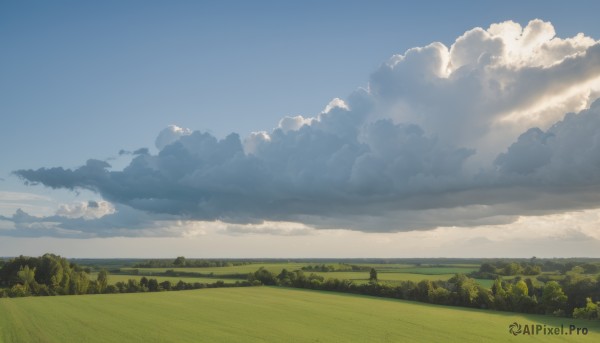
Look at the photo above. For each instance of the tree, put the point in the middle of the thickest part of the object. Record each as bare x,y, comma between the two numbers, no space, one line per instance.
153,285
499,291
102,280
27,276
590,311
179,261
424,290
166,285
487,268
144,282
512,268
468,291
286,278
84,282
265,277
519,298
133,286
553,299
180,286
373,275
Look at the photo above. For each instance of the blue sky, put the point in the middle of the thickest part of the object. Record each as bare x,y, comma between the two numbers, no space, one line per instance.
84,80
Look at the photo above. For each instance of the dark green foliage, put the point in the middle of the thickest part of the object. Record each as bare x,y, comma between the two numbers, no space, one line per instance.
46,275
153,285
491,270
554,300
591,310
102,280
373,275
265,277
518,295
165,285
181,261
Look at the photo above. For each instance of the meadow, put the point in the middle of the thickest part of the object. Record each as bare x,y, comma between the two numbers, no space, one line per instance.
260,314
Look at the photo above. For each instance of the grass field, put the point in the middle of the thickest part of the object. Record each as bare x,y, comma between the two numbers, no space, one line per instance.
243,269
114,278
356,277
259,314
390,273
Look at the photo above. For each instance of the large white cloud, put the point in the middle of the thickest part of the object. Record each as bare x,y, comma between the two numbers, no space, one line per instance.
490,85
466,135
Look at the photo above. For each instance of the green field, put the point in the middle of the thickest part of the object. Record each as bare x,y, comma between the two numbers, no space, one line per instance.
364,276
391,273
258,314
243,269
114,278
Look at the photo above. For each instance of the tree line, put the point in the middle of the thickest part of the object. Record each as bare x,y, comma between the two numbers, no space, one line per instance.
54,275
47,275
342,267
576,296
182,262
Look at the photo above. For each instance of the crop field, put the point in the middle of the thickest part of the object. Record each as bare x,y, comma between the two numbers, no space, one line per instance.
260,314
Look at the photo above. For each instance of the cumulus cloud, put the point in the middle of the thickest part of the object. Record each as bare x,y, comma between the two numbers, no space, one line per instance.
170,135
466,135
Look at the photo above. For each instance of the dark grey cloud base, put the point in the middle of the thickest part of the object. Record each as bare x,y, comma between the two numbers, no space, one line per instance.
389,177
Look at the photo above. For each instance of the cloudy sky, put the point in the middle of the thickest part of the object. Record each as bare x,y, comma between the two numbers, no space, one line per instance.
299,129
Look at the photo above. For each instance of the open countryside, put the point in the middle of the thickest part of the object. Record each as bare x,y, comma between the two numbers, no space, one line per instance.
391,273
258,314
299,171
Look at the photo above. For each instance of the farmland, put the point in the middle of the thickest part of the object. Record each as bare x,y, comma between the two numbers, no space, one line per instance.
113,279
388,273
258,314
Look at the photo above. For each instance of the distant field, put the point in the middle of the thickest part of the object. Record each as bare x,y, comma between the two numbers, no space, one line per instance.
391,273
364,276
243,269
277,267
114,278
432,270
395,278
259,314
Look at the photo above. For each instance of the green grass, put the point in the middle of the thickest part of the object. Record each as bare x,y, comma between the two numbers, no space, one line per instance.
243,269
277,267
114,278
258,314
364,276
390,273
432,270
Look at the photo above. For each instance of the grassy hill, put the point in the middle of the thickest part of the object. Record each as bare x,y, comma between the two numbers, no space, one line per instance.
259,314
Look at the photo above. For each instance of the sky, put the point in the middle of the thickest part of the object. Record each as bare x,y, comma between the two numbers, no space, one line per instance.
300,129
